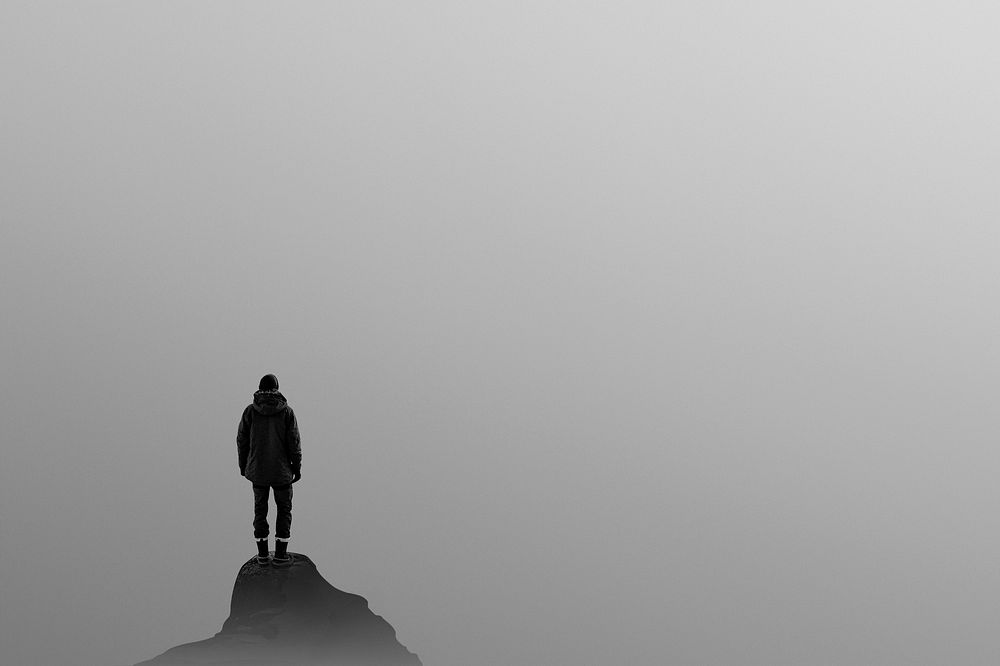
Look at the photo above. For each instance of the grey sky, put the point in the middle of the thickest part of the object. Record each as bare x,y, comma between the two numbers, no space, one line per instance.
618,333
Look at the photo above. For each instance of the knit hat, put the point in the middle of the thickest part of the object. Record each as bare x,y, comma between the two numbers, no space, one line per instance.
268,383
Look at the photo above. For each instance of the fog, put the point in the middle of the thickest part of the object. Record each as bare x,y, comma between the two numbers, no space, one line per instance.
617,333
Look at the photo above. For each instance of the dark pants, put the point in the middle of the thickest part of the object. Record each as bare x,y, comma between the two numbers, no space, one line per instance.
283,500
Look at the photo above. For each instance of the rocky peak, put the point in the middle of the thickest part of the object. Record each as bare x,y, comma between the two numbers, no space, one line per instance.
291,615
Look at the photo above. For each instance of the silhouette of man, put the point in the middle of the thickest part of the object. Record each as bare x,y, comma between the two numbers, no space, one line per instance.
270,456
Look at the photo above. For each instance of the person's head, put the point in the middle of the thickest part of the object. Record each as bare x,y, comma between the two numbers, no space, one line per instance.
268,383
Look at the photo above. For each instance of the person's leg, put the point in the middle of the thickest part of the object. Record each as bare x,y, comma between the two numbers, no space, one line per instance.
283,523
260,526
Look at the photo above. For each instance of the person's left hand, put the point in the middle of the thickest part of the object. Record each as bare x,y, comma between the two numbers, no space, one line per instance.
297,476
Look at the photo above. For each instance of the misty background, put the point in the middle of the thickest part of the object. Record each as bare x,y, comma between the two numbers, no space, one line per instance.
618,333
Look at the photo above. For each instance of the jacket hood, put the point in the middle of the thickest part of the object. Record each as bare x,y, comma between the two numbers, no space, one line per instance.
269,402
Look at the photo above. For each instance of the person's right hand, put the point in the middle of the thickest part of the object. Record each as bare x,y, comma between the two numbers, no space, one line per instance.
297,476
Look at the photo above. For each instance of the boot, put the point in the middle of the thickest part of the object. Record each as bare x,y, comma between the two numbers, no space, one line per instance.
281,557
263,556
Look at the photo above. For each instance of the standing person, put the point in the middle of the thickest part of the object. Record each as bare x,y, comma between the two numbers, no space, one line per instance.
270,456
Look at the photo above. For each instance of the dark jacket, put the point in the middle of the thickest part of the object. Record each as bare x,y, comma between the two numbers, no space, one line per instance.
268,440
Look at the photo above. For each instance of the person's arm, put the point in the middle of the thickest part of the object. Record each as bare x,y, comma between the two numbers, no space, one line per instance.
243,440
294,445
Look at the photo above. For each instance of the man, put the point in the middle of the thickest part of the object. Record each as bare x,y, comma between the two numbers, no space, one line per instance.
270,456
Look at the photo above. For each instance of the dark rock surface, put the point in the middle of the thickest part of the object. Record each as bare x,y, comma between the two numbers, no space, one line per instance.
292,616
